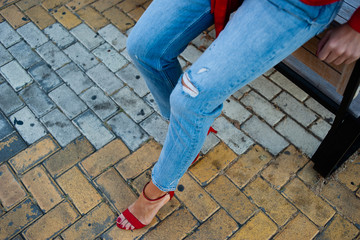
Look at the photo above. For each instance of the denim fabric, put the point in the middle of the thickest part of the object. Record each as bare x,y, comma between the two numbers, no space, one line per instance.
259,35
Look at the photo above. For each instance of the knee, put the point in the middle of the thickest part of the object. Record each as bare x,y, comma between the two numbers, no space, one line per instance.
142,47
133,44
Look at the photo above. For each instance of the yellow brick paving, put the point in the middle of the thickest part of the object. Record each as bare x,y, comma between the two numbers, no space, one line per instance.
40,16
14,16
36,180
76,192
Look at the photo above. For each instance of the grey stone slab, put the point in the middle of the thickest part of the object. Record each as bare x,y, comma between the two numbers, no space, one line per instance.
75,78
149,99
235,110
134,106
101,104
5,127
93,129
183,63
37,100
320,128
27,125
191,54
125,128
8,35
232,136
263,108
212,33
290,87
156,127
131,76
9,100
265,87
320,109
210,142
15,75
110,57
295,109
87,36
269,72
32,35
2,79
81,56
113,36
128,31
24,54
105,79
126,55
45,76
67,101
241,92
59,35
60,127
203,41
52,55
264,135
5,56
298,136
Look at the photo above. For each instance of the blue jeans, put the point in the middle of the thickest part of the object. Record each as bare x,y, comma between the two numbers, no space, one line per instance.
259,35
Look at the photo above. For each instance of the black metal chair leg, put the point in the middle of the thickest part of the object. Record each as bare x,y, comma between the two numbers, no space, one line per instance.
344,132
337,146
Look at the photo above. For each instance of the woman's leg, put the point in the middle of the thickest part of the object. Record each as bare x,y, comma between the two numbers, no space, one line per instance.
158,38
161,34
260,34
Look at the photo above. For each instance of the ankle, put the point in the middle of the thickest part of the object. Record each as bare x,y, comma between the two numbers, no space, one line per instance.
152,192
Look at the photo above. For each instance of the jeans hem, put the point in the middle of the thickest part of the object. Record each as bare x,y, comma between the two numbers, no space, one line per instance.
160,187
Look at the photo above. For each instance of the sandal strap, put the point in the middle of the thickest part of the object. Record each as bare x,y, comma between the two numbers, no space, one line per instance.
132,219
171,193
149,199
211,129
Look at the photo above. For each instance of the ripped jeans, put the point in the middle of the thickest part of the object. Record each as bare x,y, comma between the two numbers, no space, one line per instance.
259,35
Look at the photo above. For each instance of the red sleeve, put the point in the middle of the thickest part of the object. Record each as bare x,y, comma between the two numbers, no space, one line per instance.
219,9
354,21
222,10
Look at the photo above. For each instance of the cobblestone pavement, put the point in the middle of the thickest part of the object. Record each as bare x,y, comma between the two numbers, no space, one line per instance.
79,133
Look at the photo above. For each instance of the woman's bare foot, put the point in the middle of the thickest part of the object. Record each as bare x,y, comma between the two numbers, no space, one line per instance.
143,209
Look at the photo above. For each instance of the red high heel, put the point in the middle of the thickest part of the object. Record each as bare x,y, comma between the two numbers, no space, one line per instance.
210,130
132,219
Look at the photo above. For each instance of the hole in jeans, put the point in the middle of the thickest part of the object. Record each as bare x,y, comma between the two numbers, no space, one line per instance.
188,87
202,70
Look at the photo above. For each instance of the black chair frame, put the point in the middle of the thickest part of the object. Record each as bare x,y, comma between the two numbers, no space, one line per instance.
343,139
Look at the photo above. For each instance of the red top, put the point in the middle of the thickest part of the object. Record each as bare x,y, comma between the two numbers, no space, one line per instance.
223,8
318,2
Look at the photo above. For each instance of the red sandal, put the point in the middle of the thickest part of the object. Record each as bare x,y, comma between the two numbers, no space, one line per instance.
132,219
210,130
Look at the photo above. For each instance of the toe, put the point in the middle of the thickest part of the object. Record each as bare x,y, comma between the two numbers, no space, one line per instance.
128,226
120,218
124,223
